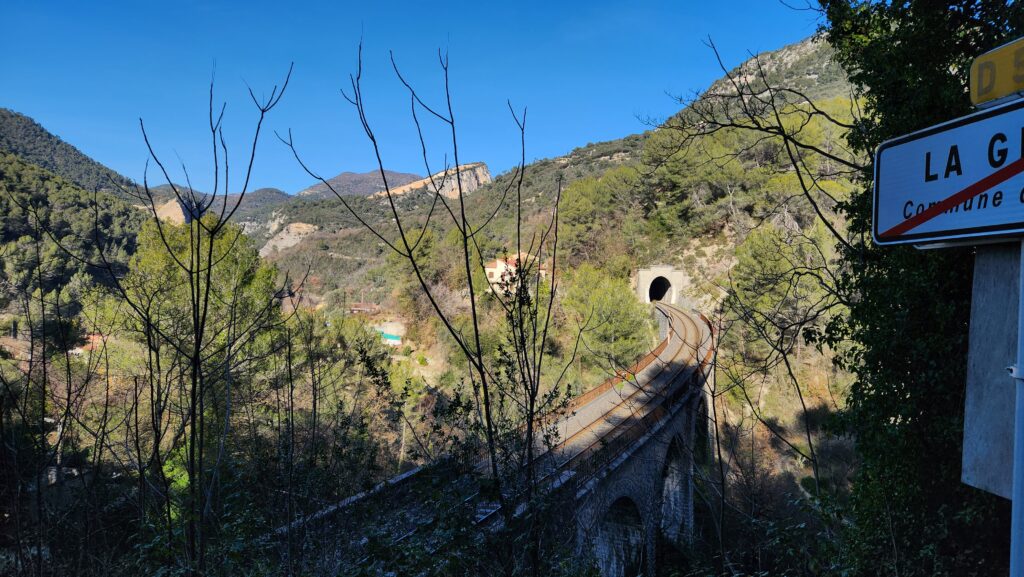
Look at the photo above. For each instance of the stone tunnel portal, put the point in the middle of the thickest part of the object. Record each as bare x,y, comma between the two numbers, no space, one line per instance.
661,289
660,283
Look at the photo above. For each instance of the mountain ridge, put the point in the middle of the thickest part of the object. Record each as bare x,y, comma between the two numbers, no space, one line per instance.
22,136
357,184
806,66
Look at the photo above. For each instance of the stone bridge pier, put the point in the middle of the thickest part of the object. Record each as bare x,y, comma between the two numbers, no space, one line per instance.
645,496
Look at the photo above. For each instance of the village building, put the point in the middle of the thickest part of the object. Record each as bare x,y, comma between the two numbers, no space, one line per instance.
363,308
501,270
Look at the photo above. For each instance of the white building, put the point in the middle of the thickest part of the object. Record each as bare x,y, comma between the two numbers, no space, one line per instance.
501,270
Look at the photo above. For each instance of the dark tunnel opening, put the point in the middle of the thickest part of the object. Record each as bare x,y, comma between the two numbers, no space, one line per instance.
659,289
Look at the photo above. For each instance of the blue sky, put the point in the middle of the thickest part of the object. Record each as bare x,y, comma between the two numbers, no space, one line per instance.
586,71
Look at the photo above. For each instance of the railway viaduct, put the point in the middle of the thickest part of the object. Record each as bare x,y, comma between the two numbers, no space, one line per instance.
629,448
640,492
625,459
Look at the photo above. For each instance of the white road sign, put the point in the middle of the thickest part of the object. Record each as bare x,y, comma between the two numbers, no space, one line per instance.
958,180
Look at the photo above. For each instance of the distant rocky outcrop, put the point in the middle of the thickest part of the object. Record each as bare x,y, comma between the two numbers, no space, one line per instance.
291,235
248,209
472,176
358,184
170,211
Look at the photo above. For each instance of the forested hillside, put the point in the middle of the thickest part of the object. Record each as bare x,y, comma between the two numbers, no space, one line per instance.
26,139
43,217
150,391
643,207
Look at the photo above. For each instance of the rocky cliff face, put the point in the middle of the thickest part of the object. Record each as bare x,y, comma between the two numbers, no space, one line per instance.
472,176
291,235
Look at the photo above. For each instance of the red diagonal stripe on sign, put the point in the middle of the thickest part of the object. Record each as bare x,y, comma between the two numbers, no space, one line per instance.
1003,174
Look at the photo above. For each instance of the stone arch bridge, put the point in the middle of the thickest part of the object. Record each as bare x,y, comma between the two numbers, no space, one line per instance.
635,479
625,458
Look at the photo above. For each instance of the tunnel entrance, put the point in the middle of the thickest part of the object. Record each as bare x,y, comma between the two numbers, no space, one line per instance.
660,290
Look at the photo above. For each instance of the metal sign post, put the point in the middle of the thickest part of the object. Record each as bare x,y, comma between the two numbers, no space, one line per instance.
1017,514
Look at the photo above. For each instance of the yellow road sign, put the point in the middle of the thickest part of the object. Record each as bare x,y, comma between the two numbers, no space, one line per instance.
998,72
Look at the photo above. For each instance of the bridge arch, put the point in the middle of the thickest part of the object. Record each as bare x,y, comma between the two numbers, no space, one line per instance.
701,443
702,435
620,542
675,492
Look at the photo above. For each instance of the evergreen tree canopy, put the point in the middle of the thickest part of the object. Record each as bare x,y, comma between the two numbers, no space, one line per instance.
909,309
